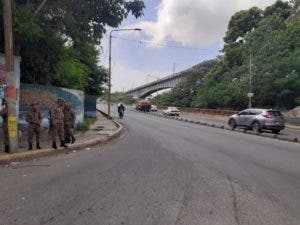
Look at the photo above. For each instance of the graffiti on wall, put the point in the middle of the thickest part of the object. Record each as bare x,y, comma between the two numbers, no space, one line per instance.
3,86
46,97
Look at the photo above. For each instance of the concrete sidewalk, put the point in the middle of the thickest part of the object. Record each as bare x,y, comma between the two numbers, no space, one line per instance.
100,131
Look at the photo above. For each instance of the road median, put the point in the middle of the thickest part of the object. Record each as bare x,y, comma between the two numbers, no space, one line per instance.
293,139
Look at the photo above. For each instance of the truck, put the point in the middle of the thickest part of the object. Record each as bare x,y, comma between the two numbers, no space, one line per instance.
143,105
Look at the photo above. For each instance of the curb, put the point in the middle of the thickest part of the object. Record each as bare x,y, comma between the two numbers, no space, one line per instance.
21,156
274,136
292,127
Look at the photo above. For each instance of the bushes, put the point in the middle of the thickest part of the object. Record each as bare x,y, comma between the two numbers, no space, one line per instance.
85,125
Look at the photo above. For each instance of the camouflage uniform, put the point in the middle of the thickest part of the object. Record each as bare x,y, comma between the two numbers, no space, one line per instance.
3,114
69,123
57,125
34,120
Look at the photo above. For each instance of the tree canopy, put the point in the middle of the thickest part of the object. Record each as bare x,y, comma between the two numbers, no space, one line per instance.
58,39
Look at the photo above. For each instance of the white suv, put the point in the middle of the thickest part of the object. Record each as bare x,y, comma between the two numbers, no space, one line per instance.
258,120
171,111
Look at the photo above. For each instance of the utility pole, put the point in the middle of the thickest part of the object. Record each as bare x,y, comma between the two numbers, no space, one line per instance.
174,66
109,79
11,94
250,94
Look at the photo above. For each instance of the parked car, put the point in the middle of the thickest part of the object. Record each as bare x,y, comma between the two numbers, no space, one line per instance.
258,120
153,108
171,111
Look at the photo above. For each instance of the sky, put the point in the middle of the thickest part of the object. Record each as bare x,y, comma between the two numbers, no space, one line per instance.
176,34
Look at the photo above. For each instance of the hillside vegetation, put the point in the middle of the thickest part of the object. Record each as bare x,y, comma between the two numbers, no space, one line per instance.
270,40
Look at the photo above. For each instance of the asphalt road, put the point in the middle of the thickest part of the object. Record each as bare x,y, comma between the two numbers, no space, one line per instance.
161,172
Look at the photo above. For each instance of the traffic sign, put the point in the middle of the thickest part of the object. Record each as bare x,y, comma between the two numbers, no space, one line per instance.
250,95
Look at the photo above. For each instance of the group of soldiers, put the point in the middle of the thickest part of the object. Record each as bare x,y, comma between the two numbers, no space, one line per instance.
61,124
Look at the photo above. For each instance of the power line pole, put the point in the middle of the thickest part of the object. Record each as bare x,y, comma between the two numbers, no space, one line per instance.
11,94
109,78
174,65
250,81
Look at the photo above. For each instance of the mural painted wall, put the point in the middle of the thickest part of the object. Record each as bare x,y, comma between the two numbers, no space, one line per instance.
17,61
46,97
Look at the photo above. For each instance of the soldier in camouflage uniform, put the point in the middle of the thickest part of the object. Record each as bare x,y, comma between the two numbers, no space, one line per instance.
33,117
57,123
69,123
4,115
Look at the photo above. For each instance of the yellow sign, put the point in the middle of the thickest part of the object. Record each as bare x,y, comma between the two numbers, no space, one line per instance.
12,126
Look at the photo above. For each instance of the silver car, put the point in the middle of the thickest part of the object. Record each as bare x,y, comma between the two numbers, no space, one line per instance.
258,120
171,111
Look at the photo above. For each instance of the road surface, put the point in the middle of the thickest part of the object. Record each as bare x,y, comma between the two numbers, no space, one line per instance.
160,172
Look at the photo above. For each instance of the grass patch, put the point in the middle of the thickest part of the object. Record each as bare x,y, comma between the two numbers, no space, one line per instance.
85,125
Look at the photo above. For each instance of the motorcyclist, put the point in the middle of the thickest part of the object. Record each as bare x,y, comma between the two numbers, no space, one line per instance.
121,109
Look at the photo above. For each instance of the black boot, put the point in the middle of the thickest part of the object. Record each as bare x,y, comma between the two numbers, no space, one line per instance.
63,144
38,145
67,140
54,145
6,148
73,140
30,147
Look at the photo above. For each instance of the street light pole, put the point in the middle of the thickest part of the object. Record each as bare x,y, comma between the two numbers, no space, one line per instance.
109,68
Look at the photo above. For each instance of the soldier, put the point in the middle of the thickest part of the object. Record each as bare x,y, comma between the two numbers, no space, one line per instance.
33,117
69,123
4,115
57,123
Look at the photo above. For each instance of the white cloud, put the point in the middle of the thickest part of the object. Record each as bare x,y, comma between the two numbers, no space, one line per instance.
195,22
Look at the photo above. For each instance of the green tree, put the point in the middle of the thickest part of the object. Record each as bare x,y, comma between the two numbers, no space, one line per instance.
57,43
272,36
184,94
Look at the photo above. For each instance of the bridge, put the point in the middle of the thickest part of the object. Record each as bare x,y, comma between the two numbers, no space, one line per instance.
164,83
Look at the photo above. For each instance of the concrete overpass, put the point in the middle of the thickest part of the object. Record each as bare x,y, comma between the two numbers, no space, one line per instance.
160,84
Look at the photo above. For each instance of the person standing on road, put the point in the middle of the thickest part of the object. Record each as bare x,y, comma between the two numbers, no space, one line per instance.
57,123
33,117
69,123
121,109
4,115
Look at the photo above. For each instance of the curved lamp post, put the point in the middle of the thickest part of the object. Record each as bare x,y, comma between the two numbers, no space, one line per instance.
109,69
